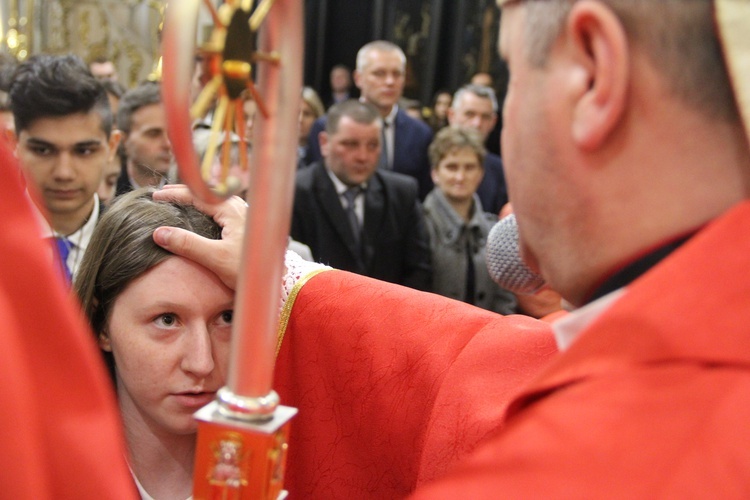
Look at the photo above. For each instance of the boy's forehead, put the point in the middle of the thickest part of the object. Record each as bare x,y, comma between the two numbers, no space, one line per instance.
66,129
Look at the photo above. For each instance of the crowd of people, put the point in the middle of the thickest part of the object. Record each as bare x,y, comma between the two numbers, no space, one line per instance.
628,166
389,241
354,208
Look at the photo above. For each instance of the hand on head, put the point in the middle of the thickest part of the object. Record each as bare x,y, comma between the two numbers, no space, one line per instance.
220,256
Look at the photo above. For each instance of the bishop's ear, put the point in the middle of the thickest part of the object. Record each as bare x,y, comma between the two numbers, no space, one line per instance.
597,44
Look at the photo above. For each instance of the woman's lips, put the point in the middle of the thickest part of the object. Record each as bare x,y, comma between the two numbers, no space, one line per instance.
194,401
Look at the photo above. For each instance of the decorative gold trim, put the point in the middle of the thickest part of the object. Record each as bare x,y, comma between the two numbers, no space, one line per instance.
286,312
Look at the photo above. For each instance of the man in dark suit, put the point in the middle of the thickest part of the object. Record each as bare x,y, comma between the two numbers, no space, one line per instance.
475,106
147,153
355,217
380,77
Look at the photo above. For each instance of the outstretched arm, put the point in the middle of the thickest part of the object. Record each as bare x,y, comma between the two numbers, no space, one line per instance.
220,256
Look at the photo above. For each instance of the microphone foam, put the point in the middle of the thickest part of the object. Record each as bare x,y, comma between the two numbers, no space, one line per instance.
504,262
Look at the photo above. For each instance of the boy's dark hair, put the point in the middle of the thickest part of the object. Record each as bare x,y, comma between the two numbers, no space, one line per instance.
48,85
122,249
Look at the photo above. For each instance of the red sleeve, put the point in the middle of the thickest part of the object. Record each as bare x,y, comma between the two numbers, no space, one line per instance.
394,385
61,434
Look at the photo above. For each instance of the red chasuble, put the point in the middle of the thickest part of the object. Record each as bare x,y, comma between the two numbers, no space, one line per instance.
393,385
653,399
60,432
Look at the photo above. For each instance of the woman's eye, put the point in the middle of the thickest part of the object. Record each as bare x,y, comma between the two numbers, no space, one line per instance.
166,320
226,317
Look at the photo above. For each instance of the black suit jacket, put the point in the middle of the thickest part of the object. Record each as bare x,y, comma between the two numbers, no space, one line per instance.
123,181
394,238
411,140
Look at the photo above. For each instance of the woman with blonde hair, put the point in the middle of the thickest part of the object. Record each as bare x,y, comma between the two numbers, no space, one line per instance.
311,108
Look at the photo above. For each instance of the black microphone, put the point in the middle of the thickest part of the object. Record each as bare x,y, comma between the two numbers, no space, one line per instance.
504,261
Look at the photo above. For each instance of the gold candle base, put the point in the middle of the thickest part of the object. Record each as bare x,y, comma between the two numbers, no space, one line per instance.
238,459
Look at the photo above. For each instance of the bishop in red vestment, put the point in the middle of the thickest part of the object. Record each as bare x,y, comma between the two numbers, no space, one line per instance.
61,433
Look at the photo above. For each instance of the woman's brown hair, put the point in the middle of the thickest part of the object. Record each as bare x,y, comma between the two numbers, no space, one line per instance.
122,249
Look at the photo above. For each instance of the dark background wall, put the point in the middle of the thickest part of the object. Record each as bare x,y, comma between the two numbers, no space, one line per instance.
446,41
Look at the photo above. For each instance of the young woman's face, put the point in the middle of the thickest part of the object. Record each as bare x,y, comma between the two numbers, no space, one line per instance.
169,332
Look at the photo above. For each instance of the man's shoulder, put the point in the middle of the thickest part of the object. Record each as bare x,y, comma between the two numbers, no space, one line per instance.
307,177
408,123
320,123
398,182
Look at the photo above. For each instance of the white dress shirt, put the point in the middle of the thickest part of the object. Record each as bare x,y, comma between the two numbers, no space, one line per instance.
79,240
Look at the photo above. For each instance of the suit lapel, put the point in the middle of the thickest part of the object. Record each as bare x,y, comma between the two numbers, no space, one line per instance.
328,198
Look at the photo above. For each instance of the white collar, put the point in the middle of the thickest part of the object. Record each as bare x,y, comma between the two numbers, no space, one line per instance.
142,491
341,188
391,118
568,328
136,186
82,233
80,239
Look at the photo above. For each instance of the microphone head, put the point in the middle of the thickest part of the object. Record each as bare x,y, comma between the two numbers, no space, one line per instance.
504,262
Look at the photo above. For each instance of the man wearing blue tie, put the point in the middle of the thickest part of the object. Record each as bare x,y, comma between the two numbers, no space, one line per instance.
64,139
